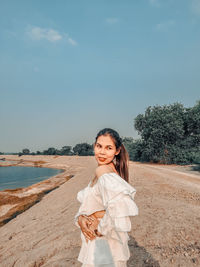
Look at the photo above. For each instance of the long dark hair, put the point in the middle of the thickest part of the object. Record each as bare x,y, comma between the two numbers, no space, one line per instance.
122,159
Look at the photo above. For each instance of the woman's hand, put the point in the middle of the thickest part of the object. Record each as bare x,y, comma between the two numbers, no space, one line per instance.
85,223
94,225
96,216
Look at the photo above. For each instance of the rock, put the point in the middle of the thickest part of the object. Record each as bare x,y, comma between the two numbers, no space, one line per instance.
194,260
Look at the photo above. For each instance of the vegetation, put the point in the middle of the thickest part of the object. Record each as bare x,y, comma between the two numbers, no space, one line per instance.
26,151
169,134
134,148
82,149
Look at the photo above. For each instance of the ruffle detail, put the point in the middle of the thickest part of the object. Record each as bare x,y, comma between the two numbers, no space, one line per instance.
112,186
81,194
114,195
76,219
90,203
118,200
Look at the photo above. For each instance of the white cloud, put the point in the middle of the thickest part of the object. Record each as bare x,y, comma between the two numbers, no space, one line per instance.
51,35
112,20
71,41
37,33
155,3
165,25
196,6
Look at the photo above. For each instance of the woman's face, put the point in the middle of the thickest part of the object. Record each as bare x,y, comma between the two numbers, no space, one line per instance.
105,150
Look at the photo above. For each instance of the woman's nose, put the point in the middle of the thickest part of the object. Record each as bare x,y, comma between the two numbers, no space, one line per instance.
102,151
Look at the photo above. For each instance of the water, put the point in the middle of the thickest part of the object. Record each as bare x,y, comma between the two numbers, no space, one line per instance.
16,176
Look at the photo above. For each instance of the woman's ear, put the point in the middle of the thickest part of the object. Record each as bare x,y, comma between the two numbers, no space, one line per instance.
117,152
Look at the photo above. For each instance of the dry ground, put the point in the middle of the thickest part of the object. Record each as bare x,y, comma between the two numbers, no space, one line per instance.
165,233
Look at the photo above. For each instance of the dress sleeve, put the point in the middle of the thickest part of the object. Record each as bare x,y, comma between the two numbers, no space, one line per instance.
118,200
80,197
89,203
76,219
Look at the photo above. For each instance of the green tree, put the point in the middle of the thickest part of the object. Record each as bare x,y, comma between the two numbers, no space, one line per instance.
45,152
169,134
83,149
25,151
192,126
66,150
51,151
134,148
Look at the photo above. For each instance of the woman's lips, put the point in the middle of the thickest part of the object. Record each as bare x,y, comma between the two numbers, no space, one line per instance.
102,159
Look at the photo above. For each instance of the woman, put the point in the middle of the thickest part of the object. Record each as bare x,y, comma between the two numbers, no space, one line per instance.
106,204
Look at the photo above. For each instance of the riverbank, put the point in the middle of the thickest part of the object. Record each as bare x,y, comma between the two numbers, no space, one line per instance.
165,233
15,201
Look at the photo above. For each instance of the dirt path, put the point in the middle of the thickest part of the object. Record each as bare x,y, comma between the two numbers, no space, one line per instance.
168,226
166,233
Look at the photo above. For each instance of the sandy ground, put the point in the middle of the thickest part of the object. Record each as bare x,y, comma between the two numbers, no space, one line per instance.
165,233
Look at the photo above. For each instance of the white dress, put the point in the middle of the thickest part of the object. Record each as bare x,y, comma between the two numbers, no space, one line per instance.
114,195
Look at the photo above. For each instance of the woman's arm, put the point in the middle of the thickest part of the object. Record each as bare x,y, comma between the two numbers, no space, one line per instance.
98,214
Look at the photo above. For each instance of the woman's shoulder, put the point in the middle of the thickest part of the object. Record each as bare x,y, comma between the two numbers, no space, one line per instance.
111,181
103,169
113,187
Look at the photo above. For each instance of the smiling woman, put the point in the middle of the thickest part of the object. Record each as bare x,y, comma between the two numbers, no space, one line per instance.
106,204
109,150
105,150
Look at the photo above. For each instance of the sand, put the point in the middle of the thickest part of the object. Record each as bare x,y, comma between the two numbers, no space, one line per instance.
165,233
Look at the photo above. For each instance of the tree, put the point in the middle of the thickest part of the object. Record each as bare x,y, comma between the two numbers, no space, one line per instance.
133,147
169,134
66,150
83,149
51,151
192,125
25,151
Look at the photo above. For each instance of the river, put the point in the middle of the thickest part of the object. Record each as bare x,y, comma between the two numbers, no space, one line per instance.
16,176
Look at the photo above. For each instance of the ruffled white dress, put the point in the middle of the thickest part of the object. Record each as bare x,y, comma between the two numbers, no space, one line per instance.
114,195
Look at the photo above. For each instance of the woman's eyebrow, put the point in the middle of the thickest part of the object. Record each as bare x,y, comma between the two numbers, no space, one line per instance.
107,145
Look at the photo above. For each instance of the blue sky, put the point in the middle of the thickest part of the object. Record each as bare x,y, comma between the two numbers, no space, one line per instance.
70,68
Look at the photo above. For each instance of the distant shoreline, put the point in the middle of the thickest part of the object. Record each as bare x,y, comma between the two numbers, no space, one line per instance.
16,201
15,176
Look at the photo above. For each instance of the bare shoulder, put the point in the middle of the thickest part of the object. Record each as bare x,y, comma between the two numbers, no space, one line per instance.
100,170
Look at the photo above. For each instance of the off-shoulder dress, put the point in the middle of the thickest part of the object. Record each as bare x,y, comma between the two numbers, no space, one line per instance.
114,195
